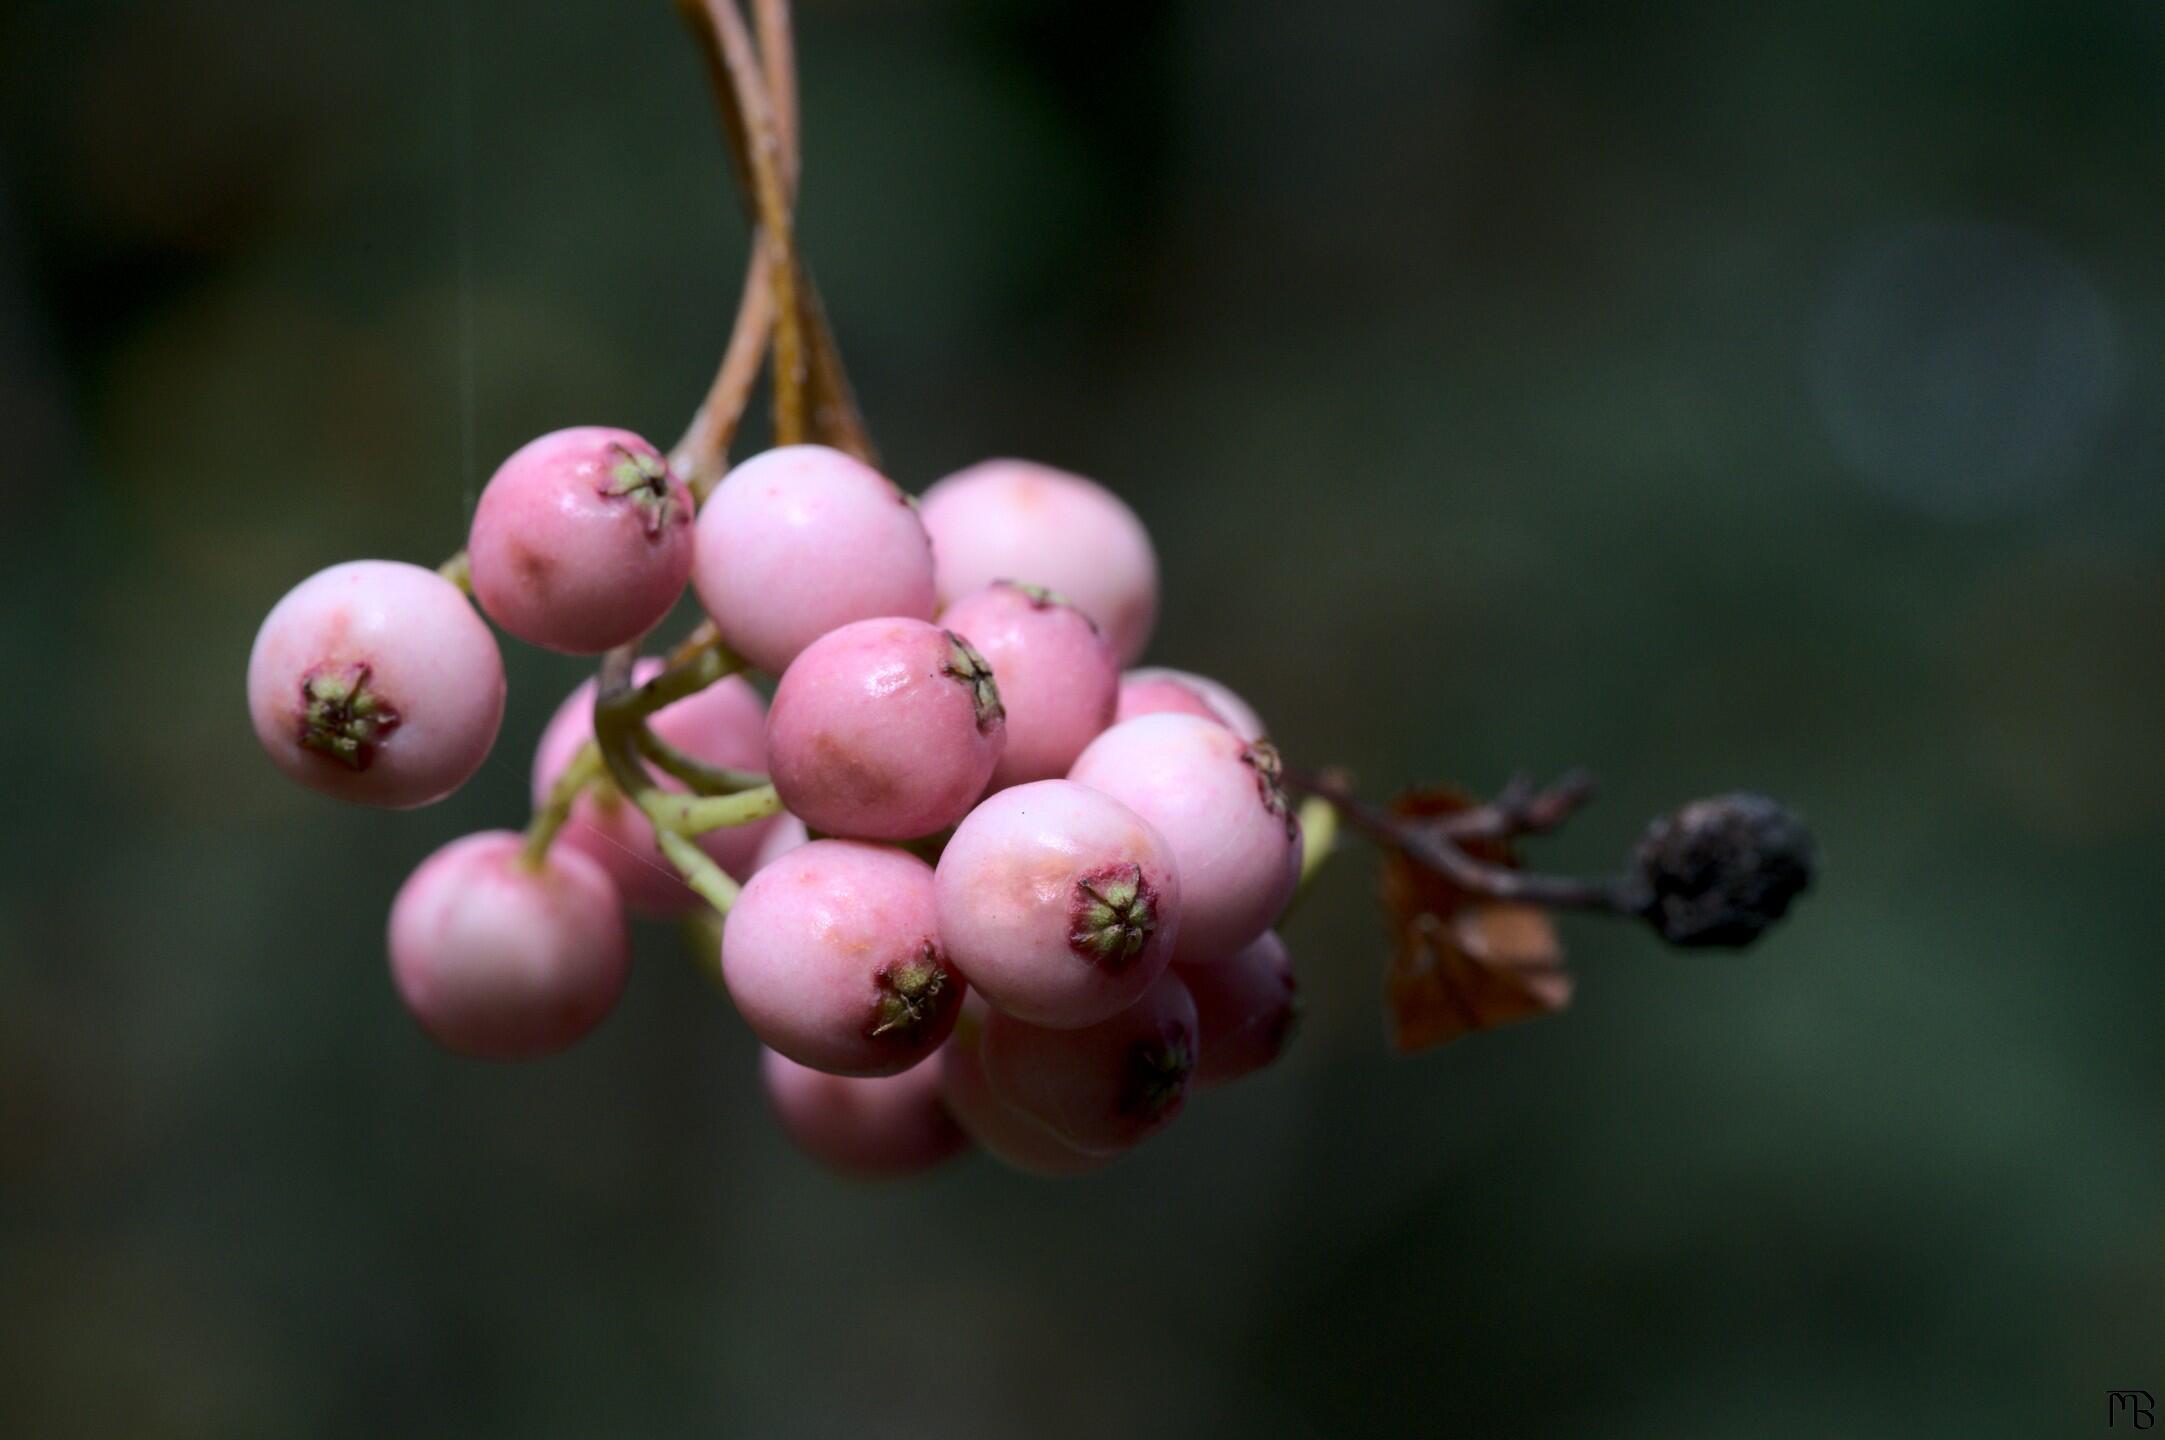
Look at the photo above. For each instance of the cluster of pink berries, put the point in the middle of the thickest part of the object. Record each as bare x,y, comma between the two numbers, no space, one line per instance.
1040,900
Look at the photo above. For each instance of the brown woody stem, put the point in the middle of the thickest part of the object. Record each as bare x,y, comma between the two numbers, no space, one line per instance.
1518,809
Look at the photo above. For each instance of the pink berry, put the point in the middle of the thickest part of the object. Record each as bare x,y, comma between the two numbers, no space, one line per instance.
1246,1004
1216,801
1057,903
724,724
1104,1087
582,540
801,540
1004,1133
1014,520
784,835
833,956
1058,678
1176,692
503,961
870,1126
884,730
376,682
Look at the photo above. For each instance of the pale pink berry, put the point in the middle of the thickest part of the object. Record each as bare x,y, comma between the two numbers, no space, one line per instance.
1004,1133
1058,903
833,956
1106,1086
1216,800
724,724
801,540
502,960
582,540
1058,677
376,682
1177,692
871,1126
784,835
1015,520
884,730
1247,1005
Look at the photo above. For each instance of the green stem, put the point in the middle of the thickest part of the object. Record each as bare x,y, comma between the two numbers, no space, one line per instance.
1319,836
707,879
585,768
620,713
697,814
700,777
459,571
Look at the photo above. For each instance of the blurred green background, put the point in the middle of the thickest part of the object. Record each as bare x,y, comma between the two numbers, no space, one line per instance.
1709,394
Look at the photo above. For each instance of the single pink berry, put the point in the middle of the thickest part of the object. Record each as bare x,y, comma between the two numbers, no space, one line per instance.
1058,903
871,1126
1216,800
833,956
504,961
582,540
375,681
1176,692
801,540
784,835
724,724
1058,677
884,730
1247,1005
1004,1133
1014,520
1104,1087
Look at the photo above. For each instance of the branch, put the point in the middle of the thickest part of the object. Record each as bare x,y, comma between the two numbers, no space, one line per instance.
1718,872
771,200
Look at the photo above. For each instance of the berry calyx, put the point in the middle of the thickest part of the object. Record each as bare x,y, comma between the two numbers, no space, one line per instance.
909,994
642,477
1263,758
1157,1074
1115,912
969,667
342,716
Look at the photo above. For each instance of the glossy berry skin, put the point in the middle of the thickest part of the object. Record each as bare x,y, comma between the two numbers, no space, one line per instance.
503,962
1004,1133
833,956
1247,1005
582,540
801,540
724,724
375,682
1177,692
1059,679
872,1127
1058,904
1015,520
884,730
1216,801
1103,1088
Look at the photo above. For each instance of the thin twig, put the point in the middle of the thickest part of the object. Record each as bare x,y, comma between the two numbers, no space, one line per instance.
1437,849
701,455
771,198
778,50
1521,809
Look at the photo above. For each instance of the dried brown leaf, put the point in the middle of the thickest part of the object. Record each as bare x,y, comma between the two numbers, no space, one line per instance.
1459,962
